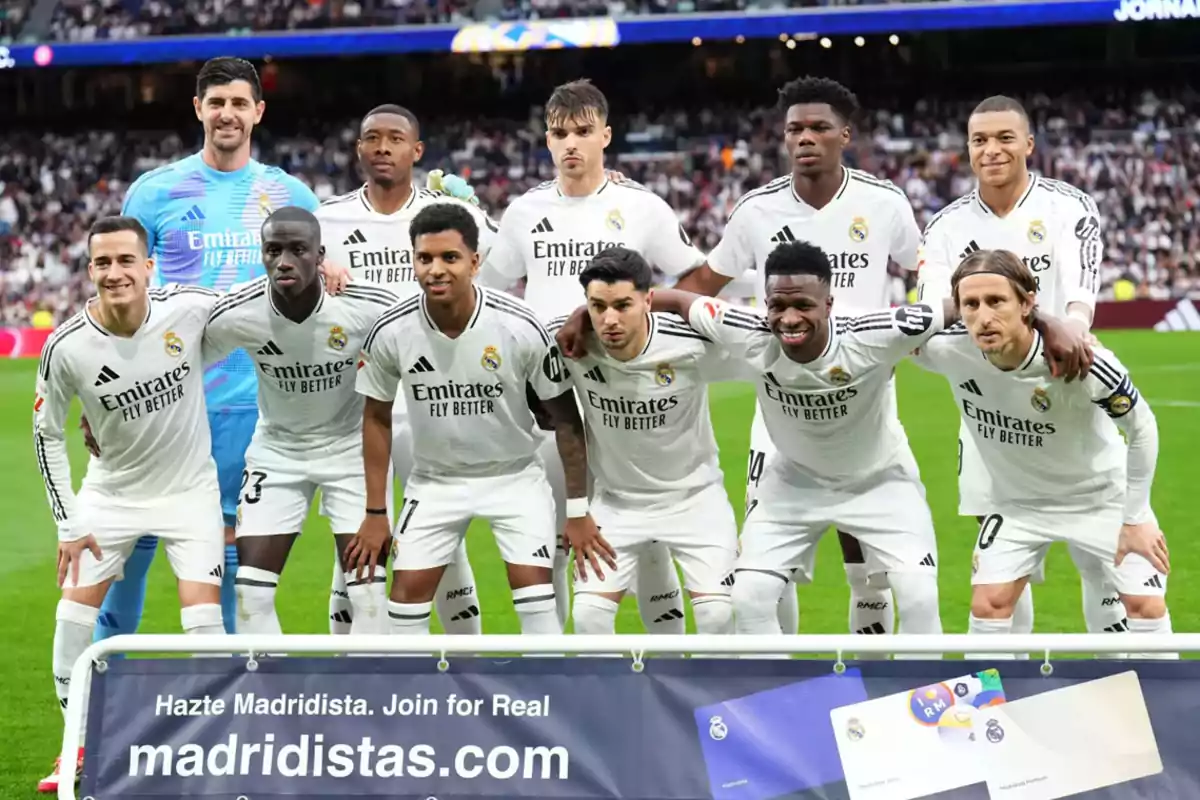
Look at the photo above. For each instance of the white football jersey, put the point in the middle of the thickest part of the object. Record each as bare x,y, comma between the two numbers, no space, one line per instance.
549,238
1054,228
306,370
143,397
375,247
833,417
1047,444
649,432
466,396
867,223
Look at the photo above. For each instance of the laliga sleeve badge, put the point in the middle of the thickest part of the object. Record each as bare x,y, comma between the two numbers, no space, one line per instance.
664,375
337,338
1040,400
855,730
717,729
172,344
491,359
859,230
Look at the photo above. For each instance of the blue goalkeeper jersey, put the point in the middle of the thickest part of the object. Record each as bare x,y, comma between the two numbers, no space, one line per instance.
205,229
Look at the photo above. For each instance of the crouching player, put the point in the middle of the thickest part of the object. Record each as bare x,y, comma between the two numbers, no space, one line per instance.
305,345
643,388
1058,467
132,357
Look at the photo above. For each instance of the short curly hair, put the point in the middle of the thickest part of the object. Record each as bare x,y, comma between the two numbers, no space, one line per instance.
811,89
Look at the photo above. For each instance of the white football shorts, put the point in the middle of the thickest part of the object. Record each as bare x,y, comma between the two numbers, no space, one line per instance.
278,487
699,533
190,526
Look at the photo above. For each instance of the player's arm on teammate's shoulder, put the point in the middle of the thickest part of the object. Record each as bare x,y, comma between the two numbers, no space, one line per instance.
735,329
732,258
1067,346
1079,254
1110,387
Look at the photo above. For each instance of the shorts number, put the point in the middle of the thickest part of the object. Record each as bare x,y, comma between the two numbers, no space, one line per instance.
406,513
988,529
753,504
255,493
960,458
754,470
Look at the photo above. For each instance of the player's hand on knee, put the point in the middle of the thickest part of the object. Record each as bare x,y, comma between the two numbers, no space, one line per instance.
1146,540
572,336
589,547
366,550
69,555
1067,349
336,276
89,441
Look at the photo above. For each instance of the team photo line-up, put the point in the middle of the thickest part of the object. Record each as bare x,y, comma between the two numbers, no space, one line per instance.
248,346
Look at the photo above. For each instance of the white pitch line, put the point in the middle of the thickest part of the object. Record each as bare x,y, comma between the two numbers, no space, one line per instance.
1175,403
1169,368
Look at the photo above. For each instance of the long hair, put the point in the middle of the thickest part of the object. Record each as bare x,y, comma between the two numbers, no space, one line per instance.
997,262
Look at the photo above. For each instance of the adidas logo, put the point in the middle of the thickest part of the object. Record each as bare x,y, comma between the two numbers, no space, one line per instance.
106,376
355,238
873,628
594,374
728,580
1155,582
219,572
972,387
343,617
1183,317
1120,627
269,349
927,561
194,214
467,613
543,227
422,365
673,614
971,248
542,552
784,235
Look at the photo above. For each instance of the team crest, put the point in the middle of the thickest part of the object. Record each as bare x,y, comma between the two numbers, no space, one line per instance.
1036,232
1040,400
172,344
839,376
993,731
491,359
264,205
664,375
337,338
1119,405
855,730
717,729
615,221
859,230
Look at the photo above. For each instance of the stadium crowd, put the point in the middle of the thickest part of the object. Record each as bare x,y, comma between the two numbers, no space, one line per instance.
1138,157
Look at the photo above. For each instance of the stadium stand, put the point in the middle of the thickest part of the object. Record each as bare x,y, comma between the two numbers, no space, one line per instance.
1140,159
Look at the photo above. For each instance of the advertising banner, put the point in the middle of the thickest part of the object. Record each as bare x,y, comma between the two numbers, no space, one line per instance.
23,342
680,729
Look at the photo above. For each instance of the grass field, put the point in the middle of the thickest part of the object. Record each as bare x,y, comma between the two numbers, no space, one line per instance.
1165,367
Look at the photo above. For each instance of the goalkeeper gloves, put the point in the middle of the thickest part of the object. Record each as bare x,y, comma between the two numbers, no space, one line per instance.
452,185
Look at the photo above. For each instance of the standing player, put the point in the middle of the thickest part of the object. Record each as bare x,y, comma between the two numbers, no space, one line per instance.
1055,229
367,231
549,235
1057,469
861,222
825,390
651,447
131,356
309,432
202,215
467,356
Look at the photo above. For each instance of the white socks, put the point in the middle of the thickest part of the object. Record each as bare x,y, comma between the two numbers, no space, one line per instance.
256,601
74,624
536,609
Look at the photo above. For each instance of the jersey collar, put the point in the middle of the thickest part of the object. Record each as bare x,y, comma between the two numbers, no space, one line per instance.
1032,359
1033,179
559,192
366,201
480,299
841,190
87,314
316,310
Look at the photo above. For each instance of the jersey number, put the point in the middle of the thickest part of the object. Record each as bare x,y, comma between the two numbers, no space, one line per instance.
406,513
754,470
988,529
255,493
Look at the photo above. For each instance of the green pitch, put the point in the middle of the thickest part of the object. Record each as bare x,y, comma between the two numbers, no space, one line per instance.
1166,368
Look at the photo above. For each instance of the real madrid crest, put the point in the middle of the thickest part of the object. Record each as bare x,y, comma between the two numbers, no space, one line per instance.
1119,405
491,359
172,344
994,733
859,230
974,563
337,338
1036,232
855,730
839,376
615,221
664,375
1040,400
717,729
